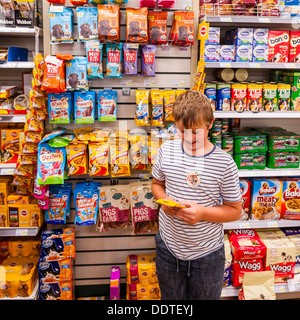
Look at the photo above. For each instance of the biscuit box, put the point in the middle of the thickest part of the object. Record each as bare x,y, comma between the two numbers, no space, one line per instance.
290,207
266,199
213,36
294,46
260,53
279,43
226,53
245,192
211,53
242,36
115,283
244,52
260,36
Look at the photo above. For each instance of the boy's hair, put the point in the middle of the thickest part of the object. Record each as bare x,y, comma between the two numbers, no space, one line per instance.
193,108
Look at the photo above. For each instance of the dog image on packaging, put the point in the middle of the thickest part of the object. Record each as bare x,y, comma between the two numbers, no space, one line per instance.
61,25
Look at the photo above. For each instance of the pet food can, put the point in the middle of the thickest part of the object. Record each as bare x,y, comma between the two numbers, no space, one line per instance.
239,97
228,143
216,130
250,161
283,160
223,96
211,92
224,74
225,125
241,75
254,97
283,96
270,97
217,141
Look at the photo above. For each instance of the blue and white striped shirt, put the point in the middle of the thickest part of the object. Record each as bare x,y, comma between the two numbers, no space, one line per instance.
218,180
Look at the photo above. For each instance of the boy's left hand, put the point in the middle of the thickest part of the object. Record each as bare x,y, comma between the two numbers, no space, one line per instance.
191,214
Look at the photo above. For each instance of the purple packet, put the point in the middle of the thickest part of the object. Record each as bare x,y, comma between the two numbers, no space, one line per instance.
130,51
115,283
148,60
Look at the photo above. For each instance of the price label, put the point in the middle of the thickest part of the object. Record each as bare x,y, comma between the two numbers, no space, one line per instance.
126,82
225,64
21,232
281,289
245,225
8,171
178,83
255,65
264,20
272,224
148,83
290,65
225,19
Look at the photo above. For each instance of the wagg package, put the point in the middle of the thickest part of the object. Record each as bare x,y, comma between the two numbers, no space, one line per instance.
76,74
107,105
60,107
94,55
87,23
84,106
61,25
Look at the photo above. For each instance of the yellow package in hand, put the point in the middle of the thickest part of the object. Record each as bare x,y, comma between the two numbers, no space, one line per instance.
170,203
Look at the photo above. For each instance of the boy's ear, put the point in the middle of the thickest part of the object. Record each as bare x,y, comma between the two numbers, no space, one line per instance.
210,126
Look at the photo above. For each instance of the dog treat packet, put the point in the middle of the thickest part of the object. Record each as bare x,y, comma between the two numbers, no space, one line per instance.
114,208
157,103
142,108
79,2
114,60
76,74
138,151
137,25
51,164
94,55
148,60
60,107
109,23
98,1
158,27
61,25
107,105
182,30
130,51
119,157
54,75
76,159
98,159
84,106
169,99
87,23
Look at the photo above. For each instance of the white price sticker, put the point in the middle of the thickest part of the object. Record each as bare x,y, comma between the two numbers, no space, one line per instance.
21,232
264,20
225,64
245,225
272,224
225,19
148,83
255,65
5,172
178,83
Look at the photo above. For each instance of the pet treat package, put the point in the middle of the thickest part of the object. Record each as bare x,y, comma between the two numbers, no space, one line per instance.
169,99
98,2
76,159
76,74
114,60
114,208
142,108
138,151
84,106
87,23
137,25
148,60
158,27
94,55
78,2
60,107
119,157
182,30
130,51
98,159
61,24
157,103
109,23
107,105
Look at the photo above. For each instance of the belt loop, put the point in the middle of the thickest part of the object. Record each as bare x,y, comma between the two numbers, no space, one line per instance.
189,269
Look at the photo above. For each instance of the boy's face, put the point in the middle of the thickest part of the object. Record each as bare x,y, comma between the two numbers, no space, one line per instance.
193,138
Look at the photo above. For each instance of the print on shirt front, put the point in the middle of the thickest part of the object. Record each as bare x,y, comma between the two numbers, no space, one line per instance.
218,176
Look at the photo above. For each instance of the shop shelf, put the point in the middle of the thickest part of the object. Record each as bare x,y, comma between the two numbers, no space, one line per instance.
7,168
17,64
12,118
253,65
258,115
261,224
269,173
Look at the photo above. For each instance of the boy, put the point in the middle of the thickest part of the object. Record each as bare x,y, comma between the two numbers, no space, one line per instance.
189,246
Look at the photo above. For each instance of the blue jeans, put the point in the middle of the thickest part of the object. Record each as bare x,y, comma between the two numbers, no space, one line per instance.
200,279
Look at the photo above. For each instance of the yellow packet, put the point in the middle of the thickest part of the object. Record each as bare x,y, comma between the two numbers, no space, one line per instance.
157,98
138,152
76,159
169,99
142,108
39,63
98,159
178,92
170,203
153,147
119,158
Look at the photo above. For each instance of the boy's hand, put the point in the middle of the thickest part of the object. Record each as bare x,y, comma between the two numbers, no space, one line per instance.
167,209
191,214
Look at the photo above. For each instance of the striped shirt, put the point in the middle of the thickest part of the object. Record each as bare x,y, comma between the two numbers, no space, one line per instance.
218,180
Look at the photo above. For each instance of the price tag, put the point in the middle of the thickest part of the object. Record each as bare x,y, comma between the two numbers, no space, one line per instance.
264,20
178,83
126,82
225,64
244,225
290,65
272,224
281,289
255,65
56,9
21,232
11,64
8,171
225,19
223,293
148,83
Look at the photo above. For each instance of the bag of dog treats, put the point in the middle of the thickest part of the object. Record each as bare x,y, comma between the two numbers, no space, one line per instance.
119,157
98,159
130,58
142,108
98,1
61,25
137,25
114,60
114,208
169,99
76,159
84,106
182,31
109,23
138,151
94,54
87,23
158,27
107,105
148,60
157,108
79,2
76,74
60,107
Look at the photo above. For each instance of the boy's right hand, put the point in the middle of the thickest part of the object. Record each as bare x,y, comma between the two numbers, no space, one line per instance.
167,209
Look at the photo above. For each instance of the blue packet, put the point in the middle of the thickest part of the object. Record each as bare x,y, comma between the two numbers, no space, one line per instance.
87,23
54,133
76,74
61,25
119,1
94,55
107,105
114,60
84,106
60,107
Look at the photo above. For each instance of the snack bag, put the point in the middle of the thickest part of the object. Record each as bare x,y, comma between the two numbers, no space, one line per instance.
137,25
114,208
182,31
54,75
78,2
119,157
61,25
114,60
138,152
157,27
98,1
142,108
60,107
157,108
87,23
148,60
76,74
94,54
109,23
130,58
169,99
98,159
10,145
84,106
107,105
76,159
51,164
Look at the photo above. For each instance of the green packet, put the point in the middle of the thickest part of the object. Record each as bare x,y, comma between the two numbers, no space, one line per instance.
61,141
283,142
250,160
283,160
250,142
